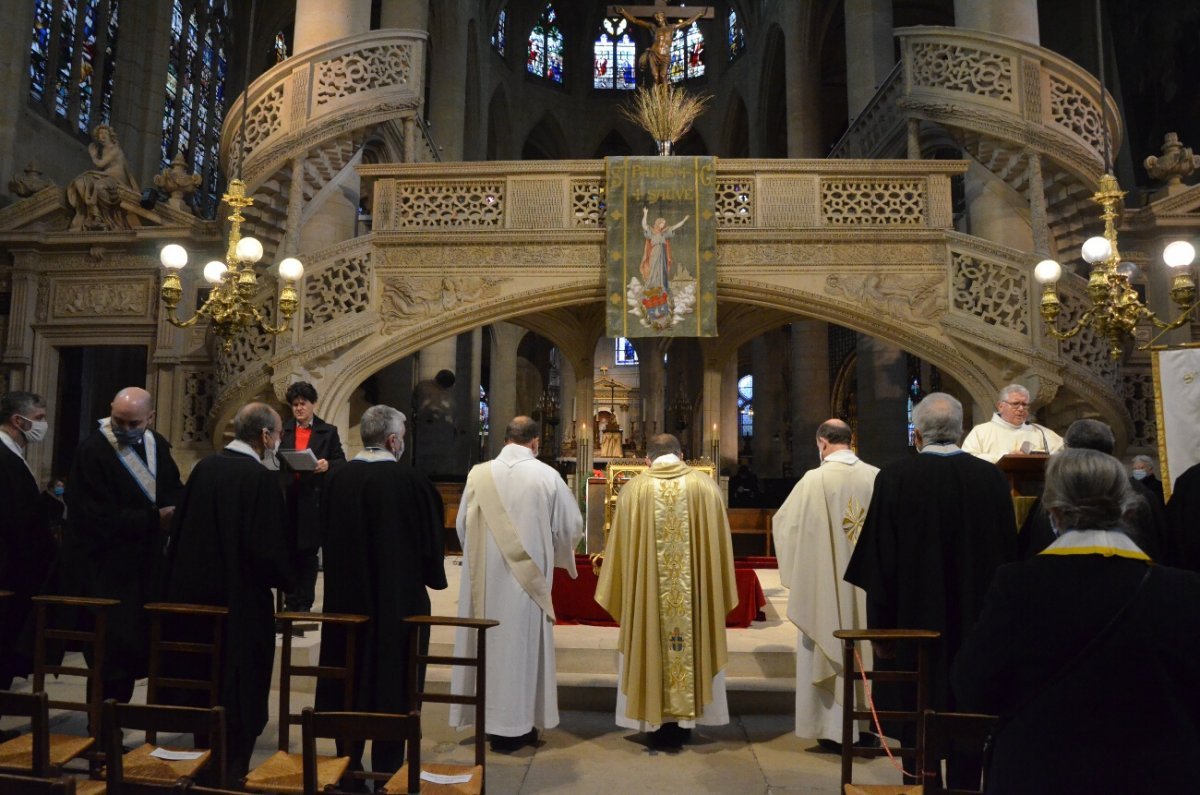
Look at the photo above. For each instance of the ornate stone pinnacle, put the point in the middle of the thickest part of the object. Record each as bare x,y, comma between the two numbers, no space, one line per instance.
30,182
1175,162
176,181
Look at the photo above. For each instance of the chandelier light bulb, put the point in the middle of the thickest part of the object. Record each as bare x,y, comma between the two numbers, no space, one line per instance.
1128,270
1047,271
173,256
214,272
1179,254
291,269
249,250
1096,249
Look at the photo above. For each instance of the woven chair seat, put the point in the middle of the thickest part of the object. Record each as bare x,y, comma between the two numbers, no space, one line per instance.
17,753
139,766
883,789
284,772
399,782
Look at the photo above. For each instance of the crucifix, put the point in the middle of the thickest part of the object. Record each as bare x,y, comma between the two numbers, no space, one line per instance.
656,59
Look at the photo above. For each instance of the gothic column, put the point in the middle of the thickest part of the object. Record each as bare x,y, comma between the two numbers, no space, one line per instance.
652,383
321,21
809,399
882,401
767,443
869,50
448,71
1015,18
803,79
583,365
406,14
502,389
434,409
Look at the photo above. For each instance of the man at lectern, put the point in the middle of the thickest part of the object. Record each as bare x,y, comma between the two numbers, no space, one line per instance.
1009,430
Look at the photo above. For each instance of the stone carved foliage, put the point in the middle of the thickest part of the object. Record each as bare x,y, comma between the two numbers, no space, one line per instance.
995,293
867,202
385,66
462,204
1138,389
587,203
406,299
120,299
343,288
1072,108
199,395
735,201
917,298
959,68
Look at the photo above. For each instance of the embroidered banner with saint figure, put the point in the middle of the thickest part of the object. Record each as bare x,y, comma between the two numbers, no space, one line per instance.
662,274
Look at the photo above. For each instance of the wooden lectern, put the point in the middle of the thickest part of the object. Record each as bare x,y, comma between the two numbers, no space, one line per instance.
1025,472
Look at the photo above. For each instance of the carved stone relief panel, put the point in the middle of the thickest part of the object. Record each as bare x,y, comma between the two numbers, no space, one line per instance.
960,68
462,204
735,200
406,299
122,298
994,292
386,66
870,202
785,202
535,203
915,298
1070,107
587,203
343,288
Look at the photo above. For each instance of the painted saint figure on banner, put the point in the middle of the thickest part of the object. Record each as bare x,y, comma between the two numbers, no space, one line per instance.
652,299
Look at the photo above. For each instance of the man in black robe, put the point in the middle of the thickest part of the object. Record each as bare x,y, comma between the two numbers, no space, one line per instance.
228,548
120,497
383,547
1183,519
304,430
26,545
938,527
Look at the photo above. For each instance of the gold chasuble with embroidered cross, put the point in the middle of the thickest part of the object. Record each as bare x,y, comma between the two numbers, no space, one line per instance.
668,580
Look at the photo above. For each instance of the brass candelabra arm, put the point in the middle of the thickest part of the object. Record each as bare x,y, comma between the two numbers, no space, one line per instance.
171,293
1052,329
1183,319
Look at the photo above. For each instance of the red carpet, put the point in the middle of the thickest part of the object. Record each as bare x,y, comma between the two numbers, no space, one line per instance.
574,602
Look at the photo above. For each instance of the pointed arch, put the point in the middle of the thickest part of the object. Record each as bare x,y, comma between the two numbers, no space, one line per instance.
546,141
613,145
691,144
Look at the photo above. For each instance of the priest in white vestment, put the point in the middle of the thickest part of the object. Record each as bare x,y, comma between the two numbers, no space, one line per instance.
517,522
815,530
1009,430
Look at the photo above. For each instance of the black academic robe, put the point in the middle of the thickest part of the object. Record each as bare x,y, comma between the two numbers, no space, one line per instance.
228,548
383,548
112,544
26,553
1149,530
1125,716
937,529
1183,519
304,492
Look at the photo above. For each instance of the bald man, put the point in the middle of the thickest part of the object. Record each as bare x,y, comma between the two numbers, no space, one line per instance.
120,498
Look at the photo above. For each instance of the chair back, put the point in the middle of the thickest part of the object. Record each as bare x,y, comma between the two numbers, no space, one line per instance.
946,731
352,624
153,718
917,680
29,785
358,727
176,630
53,626
34,706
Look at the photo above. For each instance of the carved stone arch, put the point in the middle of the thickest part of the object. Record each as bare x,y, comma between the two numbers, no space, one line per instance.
499,126
546,141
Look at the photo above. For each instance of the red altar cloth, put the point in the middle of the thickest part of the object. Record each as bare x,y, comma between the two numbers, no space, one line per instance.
574,601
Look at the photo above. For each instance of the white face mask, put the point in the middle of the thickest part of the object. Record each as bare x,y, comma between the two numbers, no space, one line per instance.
1139,474
37,429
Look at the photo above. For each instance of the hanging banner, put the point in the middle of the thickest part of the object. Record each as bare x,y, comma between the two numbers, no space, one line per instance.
662,264
1177,409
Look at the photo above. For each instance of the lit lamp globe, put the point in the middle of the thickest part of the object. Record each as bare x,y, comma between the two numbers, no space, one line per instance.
1179,254
249,250
1128,270
173,256
1096,249
1047,271
214,272
291,269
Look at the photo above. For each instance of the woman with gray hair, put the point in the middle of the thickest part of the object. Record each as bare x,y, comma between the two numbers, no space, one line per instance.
1087,652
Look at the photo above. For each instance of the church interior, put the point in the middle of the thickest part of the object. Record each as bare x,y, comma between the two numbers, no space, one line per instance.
427,183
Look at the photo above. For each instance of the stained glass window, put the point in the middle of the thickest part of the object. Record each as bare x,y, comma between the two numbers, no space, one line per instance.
625,353
737,36
281,48
73,52
687,54
546,46
194,105
614,56
745,396
498,33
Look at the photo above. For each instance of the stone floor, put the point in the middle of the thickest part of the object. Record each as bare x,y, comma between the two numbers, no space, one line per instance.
756,753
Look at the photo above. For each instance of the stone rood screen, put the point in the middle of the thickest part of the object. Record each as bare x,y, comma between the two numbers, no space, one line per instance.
661,247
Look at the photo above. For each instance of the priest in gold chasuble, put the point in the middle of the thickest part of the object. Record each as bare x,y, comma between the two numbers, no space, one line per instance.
668,580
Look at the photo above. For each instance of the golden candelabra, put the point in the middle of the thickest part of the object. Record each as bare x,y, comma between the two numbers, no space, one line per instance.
1116,308
230,304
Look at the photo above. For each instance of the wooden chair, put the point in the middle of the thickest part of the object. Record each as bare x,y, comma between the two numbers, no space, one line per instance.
752,521
360,727
418,695
139,765
29,753
284,771
197,621
29,785
852,711
943,730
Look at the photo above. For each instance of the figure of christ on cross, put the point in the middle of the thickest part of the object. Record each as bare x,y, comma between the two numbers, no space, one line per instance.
656,59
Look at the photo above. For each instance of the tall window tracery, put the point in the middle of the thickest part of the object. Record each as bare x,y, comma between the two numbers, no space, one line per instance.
737,36
194,106
745,396
687,54
546,46
500,32
73,54
614,55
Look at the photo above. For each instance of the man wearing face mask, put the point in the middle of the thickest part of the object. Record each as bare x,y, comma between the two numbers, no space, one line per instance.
26,545
383,548
124,485
228,548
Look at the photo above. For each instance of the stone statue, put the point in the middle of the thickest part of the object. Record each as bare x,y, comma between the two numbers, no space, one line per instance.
1175,162
176,181
656,59
30,182
95,195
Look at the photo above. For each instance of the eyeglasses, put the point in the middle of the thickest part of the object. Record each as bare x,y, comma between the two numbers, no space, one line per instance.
1016,405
